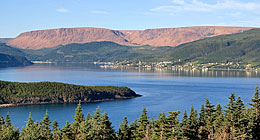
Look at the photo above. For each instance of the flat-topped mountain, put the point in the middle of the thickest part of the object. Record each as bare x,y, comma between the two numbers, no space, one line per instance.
154,37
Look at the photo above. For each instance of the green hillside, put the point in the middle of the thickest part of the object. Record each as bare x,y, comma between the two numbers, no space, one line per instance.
12,61
242,47
5,49
90,52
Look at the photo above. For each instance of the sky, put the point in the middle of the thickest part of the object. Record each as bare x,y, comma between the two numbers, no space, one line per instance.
17,16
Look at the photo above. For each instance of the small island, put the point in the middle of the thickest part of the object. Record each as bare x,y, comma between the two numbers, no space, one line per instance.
17,93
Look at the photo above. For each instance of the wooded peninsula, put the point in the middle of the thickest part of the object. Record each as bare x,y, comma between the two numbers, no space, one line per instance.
16,93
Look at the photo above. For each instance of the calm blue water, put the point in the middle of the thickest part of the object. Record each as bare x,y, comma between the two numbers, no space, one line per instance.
162,91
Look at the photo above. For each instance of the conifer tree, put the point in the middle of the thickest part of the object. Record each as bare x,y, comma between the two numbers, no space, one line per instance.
255,119
94,132
160,132
241,122
219,123
209,112
133,128
106,130
230,117
7,120
31,131
45,127
67,133
124,132
55,131
142,124
193,124
7,130
85,127
203,133
172,125
79,117
184,125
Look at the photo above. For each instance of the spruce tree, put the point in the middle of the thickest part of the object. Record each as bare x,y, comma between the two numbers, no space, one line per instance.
94,132
172,125
160,132
203,133
67,133
219,123
45,127
193,124
56,131
7,120
85,127
133,128
230,118
142,124
79,117
31,131
106,130
241,121
124,132
7,130
209,112
255,119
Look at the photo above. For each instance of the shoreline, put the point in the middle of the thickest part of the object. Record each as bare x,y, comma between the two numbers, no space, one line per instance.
43,103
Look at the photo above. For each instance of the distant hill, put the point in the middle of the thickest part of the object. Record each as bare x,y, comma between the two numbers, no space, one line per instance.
241,47
95,51
4,40
12,61
153,37
5,49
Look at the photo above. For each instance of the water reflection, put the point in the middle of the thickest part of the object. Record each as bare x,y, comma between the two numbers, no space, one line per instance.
155,72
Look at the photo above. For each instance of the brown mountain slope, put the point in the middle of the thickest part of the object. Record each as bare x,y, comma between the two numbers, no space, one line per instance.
154,37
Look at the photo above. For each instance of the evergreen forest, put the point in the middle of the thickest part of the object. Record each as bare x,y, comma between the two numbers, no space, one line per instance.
234,121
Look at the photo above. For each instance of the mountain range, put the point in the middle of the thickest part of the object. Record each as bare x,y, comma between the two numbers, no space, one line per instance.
242,47
153,37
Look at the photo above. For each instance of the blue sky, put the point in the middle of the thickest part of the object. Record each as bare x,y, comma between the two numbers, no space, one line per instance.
17,16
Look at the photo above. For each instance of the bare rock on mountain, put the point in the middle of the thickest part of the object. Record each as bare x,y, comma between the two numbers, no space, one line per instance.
154,37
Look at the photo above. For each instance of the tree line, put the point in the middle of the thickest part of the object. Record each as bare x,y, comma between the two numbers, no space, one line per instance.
235,121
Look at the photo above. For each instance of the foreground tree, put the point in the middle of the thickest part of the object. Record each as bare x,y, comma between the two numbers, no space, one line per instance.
67,133
7,130
45,127
255,119
31,131
124,132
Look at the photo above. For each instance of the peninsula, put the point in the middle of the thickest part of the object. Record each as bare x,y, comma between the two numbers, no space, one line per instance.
16,93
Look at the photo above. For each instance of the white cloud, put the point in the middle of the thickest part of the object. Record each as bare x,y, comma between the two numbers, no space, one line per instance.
99,12
62,10
199,6
178,1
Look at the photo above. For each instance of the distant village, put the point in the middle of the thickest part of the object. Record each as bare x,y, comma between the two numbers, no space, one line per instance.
169,65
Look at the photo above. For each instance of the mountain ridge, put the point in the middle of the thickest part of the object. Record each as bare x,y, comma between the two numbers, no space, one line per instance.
154,37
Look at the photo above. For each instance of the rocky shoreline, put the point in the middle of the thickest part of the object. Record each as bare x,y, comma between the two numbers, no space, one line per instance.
88,101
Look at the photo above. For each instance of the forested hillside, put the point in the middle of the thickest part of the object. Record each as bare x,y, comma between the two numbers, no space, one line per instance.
242,47
52,92
235,121
12,61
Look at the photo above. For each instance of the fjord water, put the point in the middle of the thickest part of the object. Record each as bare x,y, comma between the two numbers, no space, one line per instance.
162,90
